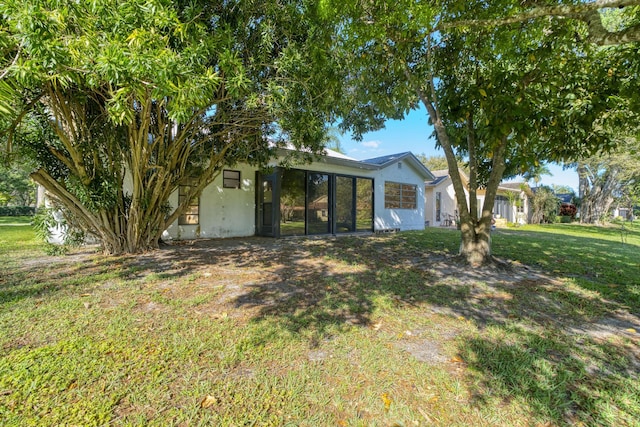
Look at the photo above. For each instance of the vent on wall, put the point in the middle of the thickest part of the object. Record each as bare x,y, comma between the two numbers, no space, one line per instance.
387,230
399,165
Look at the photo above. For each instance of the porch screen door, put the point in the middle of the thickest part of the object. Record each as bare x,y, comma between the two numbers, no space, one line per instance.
265,215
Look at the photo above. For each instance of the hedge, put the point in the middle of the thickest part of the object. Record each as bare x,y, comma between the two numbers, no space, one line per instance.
17,211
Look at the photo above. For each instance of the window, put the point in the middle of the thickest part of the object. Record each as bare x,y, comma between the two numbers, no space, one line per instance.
230,179
364,204
321,203
438,205
318,203
293,203
501,208
400,196
191,216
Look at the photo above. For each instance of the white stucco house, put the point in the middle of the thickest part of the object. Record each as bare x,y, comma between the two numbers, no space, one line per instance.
334,194
441,209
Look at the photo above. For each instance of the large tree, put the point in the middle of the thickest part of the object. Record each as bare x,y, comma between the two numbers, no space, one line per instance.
145,96
604,179
505,96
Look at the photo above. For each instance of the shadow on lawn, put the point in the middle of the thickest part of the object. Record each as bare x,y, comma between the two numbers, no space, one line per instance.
609,267
47,275
562,379
538,358
36,278
526,347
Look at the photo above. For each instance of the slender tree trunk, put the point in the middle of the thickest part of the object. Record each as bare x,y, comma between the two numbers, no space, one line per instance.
475,246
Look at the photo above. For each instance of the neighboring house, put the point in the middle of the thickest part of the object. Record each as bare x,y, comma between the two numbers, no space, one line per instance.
566,198
334,194
622,212
511,204
441,208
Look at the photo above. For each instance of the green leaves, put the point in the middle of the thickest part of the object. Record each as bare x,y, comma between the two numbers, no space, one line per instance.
132,47
158,91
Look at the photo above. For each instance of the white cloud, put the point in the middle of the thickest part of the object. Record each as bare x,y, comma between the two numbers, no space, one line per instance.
371,144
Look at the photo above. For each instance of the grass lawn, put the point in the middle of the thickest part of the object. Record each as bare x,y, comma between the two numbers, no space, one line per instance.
15,220
349,331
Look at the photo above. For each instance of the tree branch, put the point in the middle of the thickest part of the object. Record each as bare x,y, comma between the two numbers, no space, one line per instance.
586,12
15,60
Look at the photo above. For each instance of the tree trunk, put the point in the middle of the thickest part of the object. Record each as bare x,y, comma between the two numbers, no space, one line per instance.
596,193
475,246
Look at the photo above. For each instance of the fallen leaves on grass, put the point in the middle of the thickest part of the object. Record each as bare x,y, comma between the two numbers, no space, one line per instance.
208,402
387,401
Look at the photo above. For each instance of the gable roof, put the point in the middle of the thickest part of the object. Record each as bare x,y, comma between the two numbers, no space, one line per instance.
517,187
443,174
332,153
440,176
440,173
385,161
332,157
566,197
512,185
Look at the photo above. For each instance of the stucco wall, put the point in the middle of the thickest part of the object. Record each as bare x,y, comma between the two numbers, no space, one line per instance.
403,219
448,202
228,212
224,212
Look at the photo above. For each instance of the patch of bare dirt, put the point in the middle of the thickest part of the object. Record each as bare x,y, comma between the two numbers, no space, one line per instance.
252,277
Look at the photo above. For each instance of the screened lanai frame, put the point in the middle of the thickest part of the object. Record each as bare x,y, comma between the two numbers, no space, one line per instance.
295,202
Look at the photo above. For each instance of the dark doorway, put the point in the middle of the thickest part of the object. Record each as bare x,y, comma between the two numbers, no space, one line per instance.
265,212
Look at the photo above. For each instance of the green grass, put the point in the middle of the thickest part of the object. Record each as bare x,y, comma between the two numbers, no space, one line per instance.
352,331
602,259
15,220
18,241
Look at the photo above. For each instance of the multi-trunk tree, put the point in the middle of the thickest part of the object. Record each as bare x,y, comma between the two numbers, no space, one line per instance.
609,178
506,95
144,96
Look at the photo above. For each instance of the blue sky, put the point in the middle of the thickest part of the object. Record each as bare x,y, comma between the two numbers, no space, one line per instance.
414,134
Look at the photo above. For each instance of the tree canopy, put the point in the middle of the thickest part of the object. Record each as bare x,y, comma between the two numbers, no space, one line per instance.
506,94
140,97
145,96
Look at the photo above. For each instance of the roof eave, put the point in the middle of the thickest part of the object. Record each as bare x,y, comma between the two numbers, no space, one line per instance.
417,164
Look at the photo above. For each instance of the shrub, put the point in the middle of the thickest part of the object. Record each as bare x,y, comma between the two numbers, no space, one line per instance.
567,209
545,206
45,221
17,211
